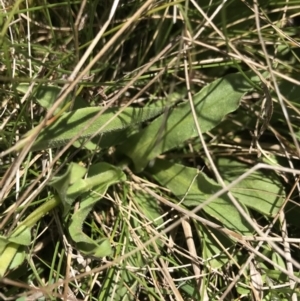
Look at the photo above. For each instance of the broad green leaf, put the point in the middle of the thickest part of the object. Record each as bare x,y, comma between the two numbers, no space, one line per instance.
84,185
107,139
100,177
149,207
261,191
22,236
18,259
70,124
7,256
70,185
212,253
85,244
11,255
62,183
276,258
242,290
3,243
177,125
47,95
192,187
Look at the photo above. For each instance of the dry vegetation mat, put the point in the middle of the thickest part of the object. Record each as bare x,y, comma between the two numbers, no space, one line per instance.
149,150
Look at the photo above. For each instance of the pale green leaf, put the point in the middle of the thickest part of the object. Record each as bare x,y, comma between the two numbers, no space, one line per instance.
193,187
71,185
22,236
47,95
7,256
177,125
3,243
18,258
261,190
100,177
212,252
70,124
62,183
